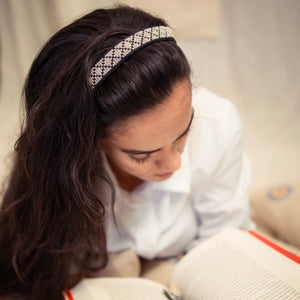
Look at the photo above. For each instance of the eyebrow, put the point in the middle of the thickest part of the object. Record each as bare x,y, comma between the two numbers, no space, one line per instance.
138,152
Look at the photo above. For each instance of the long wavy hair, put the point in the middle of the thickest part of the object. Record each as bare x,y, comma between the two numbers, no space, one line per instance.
52,219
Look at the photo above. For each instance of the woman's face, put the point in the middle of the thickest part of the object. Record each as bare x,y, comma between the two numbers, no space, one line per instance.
148,147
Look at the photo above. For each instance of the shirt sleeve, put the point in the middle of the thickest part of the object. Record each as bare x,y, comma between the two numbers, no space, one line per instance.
225,202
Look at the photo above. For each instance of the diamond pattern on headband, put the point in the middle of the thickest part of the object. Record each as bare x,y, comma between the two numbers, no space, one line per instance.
124,48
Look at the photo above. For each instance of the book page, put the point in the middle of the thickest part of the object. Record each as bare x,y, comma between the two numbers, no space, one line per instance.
118,289
235,265
88,289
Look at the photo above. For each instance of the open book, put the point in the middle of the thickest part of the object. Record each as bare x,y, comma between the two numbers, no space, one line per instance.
234,264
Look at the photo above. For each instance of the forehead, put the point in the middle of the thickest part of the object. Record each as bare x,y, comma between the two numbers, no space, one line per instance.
159,126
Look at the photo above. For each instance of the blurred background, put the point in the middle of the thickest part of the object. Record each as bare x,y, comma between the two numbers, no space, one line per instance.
245,50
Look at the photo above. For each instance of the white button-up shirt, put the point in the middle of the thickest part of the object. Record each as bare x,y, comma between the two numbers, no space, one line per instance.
208,192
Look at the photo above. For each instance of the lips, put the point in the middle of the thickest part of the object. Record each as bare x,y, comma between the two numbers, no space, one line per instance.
164,175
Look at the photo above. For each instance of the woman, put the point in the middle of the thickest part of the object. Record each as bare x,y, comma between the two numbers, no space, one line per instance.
105,160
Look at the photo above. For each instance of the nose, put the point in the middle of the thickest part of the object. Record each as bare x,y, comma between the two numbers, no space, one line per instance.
169,160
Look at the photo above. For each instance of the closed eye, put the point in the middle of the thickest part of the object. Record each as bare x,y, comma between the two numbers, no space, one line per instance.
140,160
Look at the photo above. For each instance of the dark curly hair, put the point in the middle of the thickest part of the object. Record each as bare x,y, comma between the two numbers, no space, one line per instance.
52,219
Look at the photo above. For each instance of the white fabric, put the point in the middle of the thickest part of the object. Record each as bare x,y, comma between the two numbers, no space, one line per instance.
208,192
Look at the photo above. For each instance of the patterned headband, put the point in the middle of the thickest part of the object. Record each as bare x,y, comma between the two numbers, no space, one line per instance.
114,57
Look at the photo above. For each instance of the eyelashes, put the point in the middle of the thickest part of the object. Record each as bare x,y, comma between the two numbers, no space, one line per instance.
140,160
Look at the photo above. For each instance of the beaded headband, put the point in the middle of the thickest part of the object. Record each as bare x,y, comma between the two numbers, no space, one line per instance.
114,57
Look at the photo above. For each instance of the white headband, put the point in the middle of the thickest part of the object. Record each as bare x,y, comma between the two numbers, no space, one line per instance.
123,49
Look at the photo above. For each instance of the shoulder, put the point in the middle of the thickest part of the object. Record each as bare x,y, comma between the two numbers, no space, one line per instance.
216,110
217,124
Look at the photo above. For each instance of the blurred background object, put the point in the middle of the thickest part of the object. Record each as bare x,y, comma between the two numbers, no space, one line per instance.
244,50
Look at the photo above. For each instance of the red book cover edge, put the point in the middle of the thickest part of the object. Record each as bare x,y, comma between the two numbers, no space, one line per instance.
275,247
69,295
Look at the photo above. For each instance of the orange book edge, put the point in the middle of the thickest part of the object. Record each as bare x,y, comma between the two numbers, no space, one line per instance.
286,253
68,295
